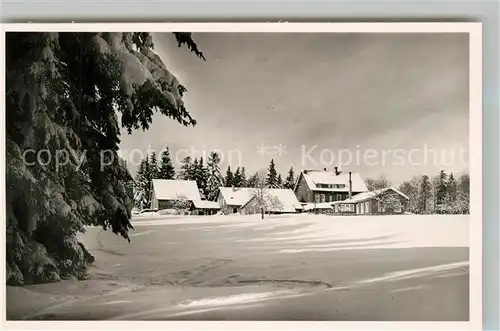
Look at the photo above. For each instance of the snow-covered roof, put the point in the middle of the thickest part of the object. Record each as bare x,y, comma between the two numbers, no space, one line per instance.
372,194
170,189
285,199
236,196
205,204
319,205
328,177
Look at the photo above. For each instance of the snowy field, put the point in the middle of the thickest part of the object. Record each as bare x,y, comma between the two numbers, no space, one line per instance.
376,231
300,267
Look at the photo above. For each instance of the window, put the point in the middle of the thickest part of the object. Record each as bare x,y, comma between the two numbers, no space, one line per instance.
339,197
367,207
358,209
316,198
322,198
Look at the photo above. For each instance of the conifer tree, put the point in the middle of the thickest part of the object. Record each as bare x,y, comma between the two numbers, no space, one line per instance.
229,180
214,180
451,189
186,169
424,194
290,179
243,177
199,174
237,178
253,180
203,174
463,196
153,166
139,197
279,182
272,176
193,172
143,183
463,185
441,188
166,170
129,184
67,91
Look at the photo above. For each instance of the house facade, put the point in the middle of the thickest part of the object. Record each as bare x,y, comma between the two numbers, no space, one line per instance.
170,193
320,186
386,201
230,199
273,201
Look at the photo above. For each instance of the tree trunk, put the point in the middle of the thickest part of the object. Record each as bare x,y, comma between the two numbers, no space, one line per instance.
262,213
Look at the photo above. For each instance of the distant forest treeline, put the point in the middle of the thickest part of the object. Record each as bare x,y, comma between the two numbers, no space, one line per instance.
441,194
206,173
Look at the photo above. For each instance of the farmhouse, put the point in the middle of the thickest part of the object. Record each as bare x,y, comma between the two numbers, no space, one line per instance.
383,201
204,207
274,201
231,199
166,193
319,186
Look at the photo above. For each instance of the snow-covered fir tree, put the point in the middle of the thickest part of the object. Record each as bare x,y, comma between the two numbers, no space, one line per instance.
451,190
237,178
290,179
166,170
143,184
214,179
66,91
243,177
129,184
279,182
229,179
253,180
272,176
200,175
186,169
153,166
194,170
424,194
441,188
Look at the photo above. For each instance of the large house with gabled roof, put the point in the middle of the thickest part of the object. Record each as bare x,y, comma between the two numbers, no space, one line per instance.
319,186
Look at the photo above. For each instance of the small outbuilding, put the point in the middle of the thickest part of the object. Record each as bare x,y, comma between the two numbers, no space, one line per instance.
204,207
384,201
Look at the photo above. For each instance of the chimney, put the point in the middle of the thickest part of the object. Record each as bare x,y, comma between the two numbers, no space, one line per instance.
336,171
350,185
